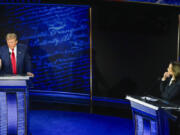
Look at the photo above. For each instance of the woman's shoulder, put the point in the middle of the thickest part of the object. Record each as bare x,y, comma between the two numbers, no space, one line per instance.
177,83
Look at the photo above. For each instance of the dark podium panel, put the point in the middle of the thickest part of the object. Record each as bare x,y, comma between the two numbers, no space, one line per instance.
13,105
149,116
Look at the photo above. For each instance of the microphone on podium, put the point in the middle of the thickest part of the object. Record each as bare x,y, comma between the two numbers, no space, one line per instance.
177,108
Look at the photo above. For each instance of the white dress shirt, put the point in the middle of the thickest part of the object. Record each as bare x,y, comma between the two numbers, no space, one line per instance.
172,79
15,51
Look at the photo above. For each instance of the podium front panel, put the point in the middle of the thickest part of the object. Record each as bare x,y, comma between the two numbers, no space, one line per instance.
149,118
13,107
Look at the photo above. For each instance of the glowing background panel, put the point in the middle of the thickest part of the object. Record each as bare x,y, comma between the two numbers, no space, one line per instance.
58,38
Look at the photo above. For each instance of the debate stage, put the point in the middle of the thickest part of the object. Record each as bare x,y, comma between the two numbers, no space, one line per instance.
85,52
71,116
76,114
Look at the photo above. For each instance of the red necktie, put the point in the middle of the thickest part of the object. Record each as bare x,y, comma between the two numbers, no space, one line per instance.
13,61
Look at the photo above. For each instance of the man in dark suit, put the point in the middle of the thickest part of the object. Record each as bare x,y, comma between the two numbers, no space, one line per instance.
14,57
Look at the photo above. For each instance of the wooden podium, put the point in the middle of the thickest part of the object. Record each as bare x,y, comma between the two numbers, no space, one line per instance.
13,105
148,116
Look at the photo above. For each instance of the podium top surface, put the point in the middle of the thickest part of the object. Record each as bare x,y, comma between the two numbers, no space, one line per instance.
14,77
152,102
136,100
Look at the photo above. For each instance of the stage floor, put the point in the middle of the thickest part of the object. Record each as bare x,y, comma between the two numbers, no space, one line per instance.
76,115
51,122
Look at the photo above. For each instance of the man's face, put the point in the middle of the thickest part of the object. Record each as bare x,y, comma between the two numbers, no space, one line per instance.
12,43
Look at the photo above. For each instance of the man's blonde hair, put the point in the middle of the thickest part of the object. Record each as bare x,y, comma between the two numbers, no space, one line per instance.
11,36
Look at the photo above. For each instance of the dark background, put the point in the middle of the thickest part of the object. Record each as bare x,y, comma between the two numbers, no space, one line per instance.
132,47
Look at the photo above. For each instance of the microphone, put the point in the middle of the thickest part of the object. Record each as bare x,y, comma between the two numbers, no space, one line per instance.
9,53
171,108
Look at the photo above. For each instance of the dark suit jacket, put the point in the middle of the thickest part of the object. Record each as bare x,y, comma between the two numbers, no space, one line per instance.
172,92
23,60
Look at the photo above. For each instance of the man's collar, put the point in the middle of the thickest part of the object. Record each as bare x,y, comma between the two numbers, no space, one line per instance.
10,50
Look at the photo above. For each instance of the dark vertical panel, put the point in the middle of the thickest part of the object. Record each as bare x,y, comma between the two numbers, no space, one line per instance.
133,44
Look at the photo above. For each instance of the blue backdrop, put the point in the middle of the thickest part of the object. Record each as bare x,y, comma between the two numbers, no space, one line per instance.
58,38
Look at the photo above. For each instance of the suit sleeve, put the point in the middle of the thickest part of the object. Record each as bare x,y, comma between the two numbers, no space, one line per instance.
1,60
170,93
163,85
174,93
27,61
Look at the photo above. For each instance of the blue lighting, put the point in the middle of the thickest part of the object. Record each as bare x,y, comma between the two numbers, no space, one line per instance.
58,37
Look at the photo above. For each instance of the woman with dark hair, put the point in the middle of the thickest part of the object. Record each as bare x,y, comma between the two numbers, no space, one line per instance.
170,83
170,91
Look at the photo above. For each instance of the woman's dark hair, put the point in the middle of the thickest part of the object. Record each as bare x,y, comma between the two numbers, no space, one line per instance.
176,69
